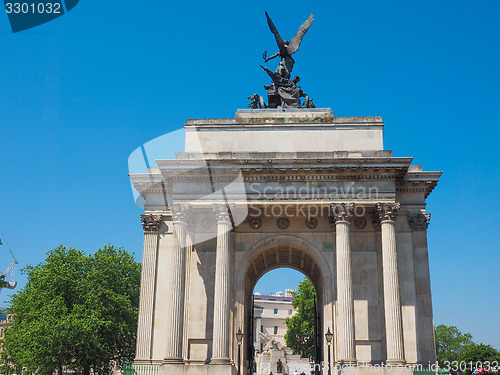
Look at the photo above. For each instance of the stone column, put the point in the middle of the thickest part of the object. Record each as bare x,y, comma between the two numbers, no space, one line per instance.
386,214
341,215
222,295
151,225
425,324
174,317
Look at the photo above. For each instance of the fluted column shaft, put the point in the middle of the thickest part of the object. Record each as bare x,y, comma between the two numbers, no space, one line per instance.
341,215
151,225
392,299
222,293
425,324
174,316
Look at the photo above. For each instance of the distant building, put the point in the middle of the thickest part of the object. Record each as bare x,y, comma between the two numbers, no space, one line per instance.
5,321
270,312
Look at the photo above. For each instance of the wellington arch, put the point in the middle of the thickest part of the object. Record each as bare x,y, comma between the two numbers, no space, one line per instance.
296,188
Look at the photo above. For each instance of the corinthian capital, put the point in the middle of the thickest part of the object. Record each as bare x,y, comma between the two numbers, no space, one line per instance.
222,212
341,212
182,213
151,223
386,211
419,222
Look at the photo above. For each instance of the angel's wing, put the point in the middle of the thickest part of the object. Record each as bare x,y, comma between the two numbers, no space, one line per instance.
297,39
277,36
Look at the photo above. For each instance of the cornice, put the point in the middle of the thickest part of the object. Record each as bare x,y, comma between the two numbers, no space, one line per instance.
418,182
270,160
286,170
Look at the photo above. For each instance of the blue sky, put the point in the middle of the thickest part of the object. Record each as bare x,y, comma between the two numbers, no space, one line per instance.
79,94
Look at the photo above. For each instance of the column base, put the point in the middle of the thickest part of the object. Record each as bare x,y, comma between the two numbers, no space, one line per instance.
200,369
395,362
173,361
142,361
220,361
348,361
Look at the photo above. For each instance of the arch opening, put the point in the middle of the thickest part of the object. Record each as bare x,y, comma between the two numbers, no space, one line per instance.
268,326
283,252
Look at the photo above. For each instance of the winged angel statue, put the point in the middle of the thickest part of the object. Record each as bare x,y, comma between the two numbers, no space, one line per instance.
284,91
286,48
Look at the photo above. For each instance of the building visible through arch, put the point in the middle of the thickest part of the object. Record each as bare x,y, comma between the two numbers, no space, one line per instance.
284,188
269,318
270,312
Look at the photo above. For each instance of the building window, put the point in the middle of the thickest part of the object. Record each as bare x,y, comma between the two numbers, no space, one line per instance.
262,329
289,312
275,330
275,311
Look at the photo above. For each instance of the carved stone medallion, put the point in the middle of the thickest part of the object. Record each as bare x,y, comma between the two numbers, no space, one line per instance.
207,223
312,222
255,223
360,222
283,223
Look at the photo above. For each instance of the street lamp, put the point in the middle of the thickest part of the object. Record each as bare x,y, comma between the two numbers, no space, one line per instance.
329,338
239,339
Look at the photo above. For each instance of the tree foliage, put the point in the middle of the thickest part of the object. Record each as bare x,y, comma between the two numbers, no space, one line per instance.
300,334
3,283
76,310
450,342
479,355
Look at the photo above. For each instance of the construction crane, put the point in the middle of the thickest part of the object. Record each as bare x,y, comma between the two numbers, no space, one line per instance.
8,276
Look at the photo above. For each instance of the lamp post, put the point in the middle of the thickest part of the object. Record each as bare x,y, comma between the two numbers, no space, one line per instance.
329,338
239,339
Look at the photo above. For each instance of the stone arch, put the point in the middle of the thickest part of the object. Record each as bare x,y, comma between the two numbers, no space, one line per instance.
283,251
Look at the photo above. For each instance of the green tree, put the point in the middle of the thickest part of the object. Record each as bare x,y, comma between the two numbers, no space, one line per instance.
479,355
300,334
76,310
450,342
3,283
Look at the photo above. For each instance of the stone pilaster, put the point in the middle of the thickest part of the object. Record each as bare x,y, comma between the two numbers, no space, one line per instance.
341,215
174,316
386,215
257,333
151,225
425,324
222,295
